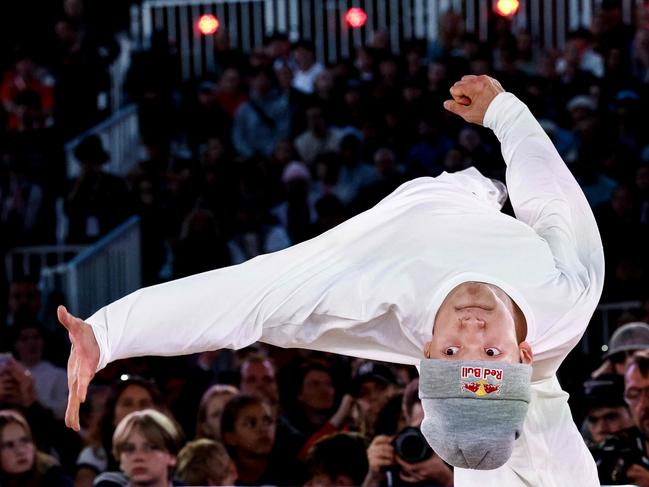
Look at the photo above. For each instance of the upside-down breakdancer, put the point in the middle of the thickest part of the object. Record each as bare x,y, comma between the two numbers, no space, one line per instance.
487,305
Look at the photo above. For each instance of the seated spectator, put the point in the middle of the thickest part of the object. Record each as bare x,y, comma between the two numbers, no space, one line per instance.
407,454
606,411
622,458
50,382
210,410
147,444
373,384
308,68
318,138
263,120
339,459
128,395
314,400
96,201
248,428
229,93
205,462
626,340
21,463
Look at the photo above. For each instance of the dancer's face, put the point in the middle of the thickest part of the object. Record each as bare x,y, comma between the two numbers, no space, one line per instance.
476,322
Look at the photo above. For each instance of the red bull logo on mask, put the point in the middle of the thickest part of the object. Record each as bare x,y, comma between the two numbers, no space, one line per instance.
481,381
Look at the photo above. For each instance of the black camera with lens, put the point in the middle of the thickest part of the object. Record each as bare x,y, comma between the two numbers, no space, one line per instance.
616,454
411,446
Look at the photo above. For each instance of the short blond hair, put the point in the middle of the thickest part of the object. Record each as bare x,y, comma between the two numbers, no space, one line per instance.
157,428
203,461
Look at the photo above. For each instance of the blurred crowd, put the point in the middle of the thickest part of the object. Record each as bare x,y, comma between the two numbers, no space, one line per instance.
268,150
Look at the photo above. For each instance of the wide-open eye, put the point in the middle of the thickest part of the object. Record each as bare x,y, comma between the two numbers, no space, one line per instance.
492,352
451,350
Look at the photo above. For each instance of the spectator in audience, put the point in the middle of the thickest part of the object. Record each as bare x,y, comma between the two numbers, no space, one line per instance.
622,458
315,398
205,117
307,68
210,410
129,394
21,463
147,444
229,92
258,377
624,342
263,120
373,385
205,462
385,453
338,459
24,299
248,428
96,201
50,382
606,411
318,138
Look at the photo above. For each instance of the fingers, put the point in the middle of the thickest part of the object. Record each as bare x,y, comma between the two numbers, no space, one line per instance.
457,108
66,319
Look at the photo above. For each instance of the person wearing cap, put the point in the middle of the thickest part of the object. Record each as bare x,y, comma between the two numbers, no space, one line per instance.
626,340
606,411
434,275
623,458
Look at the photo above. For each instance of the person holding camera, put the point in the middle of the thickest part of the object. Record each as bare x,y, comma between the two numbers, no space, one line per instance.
624,457
406,458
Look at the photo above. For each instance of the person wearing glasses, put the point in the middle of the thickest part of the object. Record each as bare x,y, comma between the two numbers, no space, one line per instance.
623,458
21,463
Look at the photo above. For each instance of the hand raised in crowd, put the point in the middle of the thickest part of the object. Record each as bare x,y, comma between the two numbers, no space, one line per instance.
344,414
638,475
82,364
432,469
472,95
16,384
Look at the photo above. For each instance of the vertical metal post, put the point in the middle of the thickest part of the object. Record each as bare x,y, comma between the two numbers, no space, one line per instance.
329,30
420,30
269,17
319,18
280,23
244,10
184,48
433,20
371,20
233,24
470,16
483,16
407,20
394,26
257,18
344,28
197,44
209,41
561,25
549,25
146,25
573,16
306,19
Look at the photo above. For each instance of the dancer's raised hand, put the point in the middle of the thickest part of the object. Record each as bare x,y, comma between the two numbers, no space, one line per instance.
82,364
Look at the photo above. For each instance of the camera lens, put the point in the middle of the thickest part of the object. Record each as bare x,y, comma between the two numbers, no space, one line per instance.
411,446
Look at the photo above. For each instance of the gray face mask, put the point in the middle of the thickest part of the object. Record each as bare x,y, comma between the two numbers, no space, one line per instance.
473,410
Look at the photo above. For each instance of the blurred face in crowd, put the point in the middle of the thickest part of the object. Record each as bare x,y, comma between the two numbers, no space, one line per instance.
133,398
606,421
261,83
213,413
636,393
29,346
259,378
254,430
317,391
17,451
24,296
315,120
304,58
324,82
284,76
476,321
144,462
230,81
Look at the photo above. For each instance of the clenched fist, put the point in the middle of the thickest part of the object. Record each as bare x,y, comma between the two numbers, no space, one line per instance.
472,95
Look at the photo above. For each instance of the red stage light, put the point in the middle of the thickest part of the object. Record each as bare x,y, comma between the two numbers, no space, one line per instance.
208,24
507,8
356,17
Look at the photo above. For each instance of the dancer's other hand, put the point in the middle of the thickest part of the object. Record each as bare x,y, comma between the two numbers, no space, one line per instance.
472,95
82,364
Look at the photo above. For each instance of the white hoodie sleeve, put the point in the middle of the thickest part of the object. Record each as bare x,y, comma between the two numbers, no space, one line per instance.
544,194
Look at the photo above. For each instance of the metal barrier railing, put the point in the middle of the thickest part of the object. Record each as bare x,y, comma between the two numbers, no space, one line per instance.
602,324
120,136
323,22
28,261
101,273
